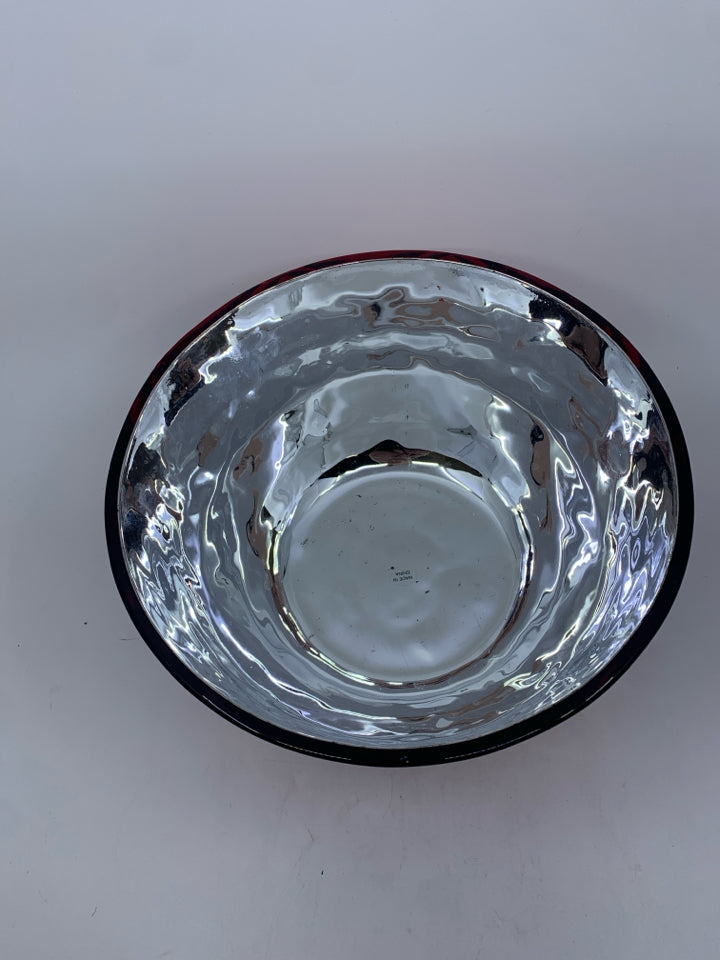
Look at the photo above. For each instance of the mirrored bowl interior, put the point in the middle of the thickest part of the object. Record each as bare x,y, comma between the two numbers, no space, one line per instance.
405,506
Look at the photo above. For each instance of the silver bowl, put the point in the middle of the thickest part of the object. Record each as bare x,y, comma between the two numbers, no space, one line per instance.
399,508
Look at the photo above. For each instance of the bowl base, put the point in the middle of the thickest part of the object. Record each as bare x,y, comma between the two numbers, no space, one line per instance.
401,572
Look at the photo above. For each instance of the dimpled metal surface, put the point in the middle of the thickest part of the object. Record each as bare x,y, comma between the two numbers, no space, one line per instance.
396,504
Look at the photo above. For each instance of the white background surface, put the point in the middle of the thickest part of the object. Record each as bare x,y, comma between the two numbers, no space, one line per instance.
159,158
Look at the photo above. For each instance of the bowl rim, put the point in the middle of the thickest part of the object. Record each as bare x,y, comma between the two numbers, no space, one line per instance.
416,755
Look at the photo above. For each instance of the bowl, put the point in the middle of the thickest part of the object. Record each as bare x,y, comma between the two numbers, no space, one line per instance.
399,508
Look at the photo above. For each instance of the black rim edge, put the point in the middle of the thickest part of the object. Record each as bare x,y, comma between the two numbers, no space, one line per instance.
412,756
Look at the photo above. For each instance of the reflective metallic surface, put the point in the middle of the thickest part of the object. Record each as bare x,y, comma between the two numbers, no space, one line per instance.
397,504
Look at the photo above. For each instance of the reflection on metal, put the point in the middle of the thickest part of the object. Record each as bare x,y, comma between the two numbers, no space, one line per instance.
399,503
